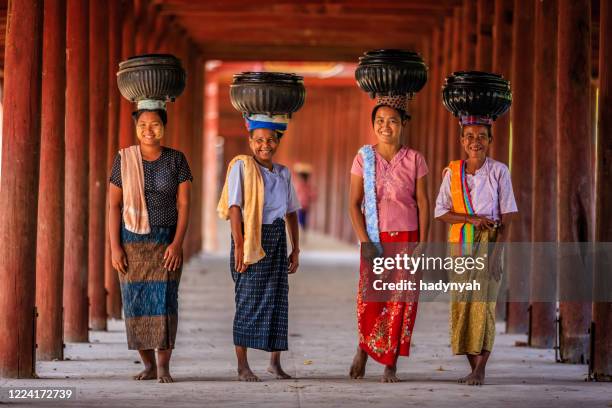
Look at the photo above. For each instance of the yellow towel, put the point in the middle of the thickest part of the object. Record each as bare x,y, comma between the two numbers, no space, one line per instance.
135,214
252,211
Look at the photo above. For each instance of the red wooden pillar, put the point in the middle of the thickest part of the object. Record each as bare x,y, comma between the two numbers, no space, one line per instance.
19,185
484,35
211,166
522,162
434,106
454,148
441,153
50,235
574,176
98,129
126,124
77,168
143,25
543,281
469,36
111,280
602,311
159,28
502,64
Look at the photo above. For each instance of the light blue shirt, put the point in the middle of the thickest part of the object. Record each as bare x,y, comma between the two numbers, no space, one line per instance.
280,198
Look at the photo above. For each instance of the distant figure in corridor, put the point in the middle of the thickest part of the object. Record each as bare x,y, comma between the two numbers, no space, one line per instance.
389,179
306,193
257,198
477,201
149,194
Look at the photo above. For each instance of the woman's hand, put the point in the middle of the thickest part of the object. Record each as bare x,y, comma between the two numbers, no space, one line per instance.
239,264
173,257
119,259
481,223
294,261
369,250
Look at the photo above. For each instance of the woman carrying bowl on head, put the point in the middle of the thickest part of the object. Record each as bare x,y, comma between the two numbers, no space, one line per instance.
149,195
477,201
389,179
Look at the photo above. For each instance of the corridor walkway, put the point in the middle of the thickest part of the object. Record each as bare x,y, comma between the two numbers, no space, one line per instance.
322,341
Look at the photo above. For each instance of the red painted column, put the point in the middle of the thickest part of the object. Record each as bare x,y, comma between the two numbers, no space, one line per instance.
454,148
574,177
50,235
543,281
143,25
602,311
500,148
434,106
469,36
502,64
19,185
98,129
159,28
522,162
211,165
443,119
126,126
484,35
111,280
77,168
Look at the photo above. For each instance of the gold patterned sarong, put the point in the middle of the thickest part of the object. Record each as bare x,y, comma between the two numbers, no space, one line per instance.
472,323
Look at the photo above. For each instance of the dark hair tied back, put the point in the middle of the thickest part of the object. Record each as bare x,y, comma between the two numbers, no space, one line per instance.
163,115
403,114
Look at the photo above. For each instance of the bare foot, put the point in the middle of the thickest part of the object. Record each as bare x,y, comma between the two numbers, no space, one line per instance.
358,367
389,375
149,373
245,374
476,378
278,371
164,376
463,380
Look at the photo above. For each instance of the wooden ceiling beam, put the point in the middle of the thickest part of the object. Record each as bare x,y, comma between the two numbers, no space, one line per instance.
275,38
267,52
313,5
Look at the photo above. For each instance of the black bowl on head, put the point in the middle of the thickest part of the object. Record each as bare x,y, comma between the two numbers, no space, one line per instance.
391,72
151,76
477,93
271,93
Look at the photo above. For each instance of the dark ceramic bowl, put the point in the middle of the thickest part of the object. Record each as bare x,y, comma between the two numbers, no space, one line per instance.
391,72
477,93
267,92
151,76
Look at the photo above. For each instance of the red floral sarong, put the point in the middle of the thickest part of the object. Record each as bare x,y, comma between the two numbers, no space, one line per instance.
385,328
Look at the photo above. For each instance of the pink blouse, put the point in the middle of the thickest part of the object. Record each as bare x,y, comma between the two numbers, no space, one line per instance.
396,188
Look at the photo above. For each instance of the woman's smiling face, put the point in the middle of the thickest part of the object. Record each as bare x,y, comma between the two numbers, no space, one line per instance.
475,140
263,144
149,128
387,125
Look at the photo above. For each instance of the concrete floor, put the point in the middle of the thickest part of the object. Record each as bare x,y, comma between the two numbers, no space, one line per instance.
322,341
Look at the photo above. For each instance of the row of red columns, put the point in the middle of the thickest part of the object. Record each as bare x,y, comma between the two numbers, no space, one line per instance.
544,48
56,280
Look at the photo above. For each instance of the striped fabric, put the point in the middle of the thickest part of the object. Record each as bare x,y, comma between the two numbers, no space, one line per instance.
462,233
277,123
261,294
467,120
149,292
